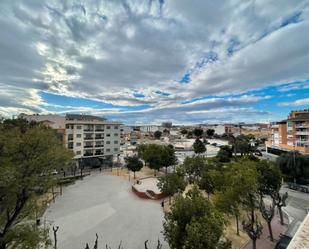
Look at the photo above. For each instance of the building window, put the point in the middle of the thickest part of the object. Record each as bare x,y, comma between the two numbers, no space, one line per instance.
70,137
116,134
108,135
116,142
108,127
116,127
108,150
78,127
115,149
78,144
108,142
79,135
78,152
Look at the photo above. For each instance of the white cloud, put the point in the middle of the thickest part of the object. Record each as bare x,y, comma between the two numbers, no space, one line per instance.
299,102
106,50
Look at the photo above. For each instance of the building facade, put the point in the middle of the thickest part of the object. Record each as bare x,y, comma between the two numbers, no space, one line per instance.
291,134
89,137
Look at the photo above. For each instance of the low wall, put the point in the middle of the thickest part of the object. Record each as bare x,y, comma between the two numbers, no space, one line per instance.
145,196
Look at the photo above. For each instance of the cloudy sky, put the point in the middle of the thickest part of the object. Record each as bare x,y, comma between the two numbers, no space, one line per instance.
148,61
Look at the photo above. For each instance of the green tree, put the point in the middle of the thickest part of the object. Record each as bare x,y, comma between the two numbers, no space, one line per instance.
233,196
157,134
28,154
225,154
172,183
208,180
210,132
294,165
184,131
269,177
193,167
168,156
134,164
157,156
190,134
199,147
193,223
198,132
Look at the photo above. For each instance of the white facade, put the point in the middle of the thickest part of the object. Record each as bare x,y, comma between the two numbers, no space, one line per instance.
87,136
150,128
93,138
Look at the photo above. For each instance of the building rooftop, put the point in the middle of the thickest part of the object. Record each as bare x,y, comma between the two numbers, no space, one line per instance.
83,117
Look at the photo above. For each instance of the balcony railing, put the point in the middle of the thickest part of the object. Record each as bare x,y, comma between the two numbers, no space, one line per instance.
88,154
99,145
302,126
98,137
88,138
306,133
302,141
99,130
88,146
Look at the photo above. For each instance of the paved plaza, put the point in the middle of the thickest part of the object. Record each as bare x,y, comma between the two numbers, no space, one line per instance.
105,205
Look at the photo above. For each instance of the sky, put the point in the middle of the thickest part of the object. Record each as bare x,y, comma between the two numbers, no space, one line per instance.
150,61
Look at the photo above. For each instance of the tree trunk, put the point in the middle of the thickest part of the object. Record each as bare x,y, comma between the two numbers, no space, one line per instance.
2,245
134,174
270,231
281,215
237,224
170,200
253,244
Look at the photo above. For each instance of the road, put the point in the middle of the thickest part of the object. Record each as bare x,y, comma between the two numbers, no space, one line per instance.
297,203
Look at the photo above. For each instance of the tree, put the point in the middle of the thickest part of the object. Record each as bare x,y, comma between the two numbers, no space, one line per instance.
157,134
225,154
210,132
168,156
193,167
28,154
268,214
232,196
240,144
208,180
198,132
294,165
184,131
190,134
198,146
172,183
279,201
269,177
193,223
157,156
134,164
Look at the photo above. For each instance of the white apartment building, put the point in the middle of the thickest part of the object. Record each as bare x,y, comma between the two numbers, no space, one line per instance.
89,137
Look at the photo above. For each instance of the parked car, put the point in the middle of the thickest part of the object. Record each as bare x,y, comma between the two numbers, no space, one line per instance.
283,242
258,153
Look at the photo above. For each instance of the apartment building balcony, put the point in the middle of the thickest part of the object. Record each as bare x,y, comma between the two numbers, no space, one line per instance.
99,145
99,153
88,146
302,141
88,152
303,133
88,131
99,137
88,138
302,126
